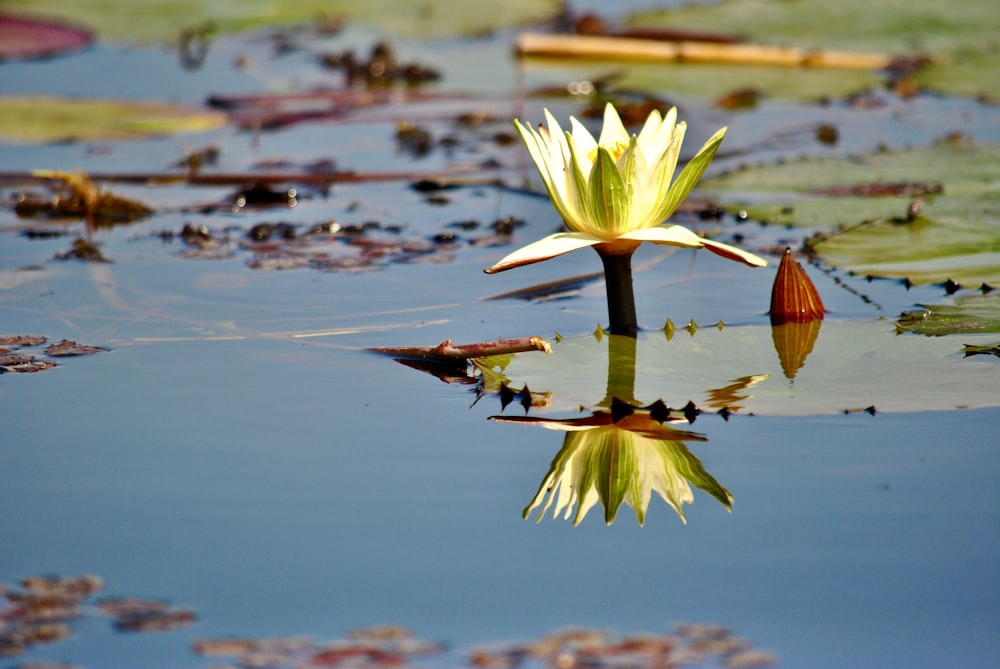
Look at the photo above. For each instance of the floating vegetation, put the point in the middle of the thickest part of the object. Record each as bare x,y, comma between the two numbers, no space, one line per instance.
968,314
44,609
47,119
76,196
691,644
15,361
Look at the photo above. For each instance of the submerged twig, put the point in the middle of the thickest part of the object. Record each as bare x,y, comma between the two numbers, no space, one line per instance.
446,351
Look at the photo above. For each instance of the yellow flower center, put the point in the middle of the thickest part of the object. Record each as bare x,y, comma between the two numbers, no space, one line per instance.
616,151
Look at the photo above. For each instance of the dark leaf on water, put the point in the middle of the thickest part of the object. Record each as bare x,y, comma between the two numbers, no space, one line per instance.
15,363
22,340
68,348
123,607
83,249
160,621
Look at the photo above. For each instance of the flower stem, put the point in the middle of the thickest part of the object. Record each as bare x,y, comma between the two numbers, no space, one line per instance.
617,259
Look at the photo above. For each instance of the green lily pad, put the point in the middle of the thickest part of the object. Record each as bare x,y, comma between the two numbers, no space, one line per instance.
41,119
969,313
165,20
959,36
711,81
953,237
843,366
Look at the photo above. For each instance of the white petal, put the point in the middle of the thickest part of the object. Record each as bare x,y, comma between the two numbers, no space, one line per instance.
678,235
584,145
652,126
656,141
613,132
549,247
551,167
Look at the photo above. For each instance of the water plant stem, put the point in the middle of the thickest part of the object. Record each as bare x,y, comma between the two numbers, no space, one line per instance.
617,259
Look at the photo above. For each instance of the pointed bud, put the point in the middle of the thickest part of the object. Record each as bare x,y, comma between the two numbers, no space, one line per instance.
794,298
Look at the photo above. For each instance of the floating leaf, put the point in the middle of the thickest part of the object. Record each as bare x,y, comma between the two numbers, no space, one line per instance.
69,348
165,20
852,365
40,119
22,340
959,36
969,313
952,236
23,37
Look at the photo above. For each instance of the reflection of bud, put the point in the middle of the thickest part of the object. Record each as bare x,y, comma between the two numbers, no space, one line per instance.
622,462
796,314
793,342
794,298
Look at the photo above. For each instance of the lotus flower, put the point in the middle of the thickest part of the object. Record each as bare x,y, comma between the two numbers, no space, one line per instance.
613,194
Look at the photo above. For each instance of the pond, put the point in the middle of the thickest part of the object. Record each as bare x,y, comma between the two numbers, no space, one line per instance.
235,453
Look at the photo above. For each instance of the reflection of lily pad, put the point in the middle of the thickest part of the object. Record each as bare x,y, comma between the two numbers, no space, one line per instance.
853,365
970,313
165,20
961,36
51,119
955,237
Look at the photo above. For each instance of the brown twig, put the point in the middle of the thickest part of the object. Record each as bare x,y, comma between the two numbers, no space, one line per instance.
622,48
448,352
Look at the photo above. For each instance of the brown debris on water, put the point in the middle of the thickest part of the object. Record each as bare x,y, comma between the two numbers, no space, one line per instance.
689,645
13,360
76,196
70,348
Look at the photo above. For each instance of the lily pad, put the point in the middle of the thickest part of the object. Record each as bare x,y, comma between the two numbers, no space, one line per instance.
969,313
846,366
960,37
165,20
953,236
40,119
23,38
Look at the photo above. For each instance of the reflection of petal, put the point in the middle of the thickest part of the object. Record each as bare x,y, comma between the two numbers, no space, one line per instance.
794,342
730,396
543,249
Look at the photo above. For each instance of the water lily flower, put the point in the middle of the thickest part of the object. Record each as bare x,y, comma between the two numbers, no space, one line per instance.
615,193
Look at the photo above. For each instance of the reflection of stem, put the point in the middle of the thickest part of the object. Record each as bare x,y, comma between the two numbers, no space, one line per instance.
621,368
617,261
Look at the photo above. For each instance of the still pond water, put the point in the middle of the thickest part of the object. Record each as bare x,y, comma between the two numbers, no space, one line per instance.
237,452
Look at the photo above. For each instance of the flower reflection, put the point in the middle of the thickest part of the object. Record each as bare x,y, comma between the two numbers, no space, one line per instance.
620,461
621,453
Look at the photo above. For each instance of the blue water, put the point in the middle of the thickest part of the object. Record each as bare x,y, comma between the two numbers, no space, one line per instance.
237,452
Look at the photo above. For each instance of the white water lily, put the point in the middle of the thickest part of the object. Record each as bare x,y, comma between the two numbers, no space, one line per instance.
614,193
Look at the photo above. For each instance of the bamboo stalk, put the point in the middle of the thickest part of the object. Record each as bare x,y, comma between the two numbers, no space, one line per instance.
622,48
